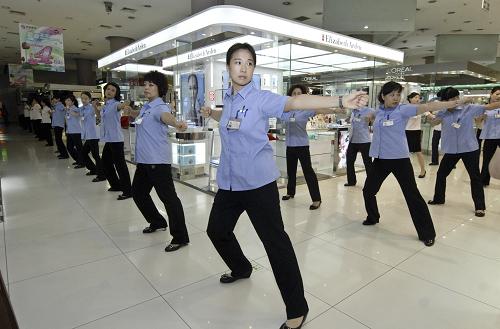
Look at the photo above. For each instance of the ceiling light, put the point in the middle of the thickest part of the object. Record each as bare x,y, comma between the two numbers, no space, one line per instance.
475,49
365,27
203,34
406,19
300,42
252,32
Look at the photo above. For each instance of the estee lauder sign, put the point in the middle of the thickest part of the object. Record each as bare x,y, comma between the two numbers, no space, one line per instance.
134,49
338,41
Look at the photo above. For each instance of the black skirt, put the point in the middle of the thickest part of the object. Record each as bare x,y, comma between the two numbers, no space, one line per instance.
414,138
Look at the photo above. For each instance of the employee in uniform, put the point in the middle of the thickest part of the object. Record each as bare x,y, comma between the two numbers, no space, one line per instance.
36,117
247,176
297,148
391,155
46,120
58,114
113,156
359,141
459,142
490,135
74,130
153,154
414,134
89,134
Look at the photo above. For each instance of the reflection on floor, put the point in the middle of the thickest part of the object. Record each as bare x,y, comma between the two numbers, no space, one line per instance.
77,257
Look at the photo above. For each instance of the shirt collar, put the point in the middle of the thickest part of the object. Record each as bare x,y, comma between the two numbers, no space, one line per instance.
243,91
110,101
153,103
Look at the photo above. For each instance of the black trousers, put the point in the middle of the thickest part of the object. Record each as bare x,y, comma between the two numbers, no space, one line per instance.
479,140
58,131
29,126
36,127
75,147
159,176
352,153
294,154
403,171
92,146
263,207
489,148
47,133
436,136
113,162
471,162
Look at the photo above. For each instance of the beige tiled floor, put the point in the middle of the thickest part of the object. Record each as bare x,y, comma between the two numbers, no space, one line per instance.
77,258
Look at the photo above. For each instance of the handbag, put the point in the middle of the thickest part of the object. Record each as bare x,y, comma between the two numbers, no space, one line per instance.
494,167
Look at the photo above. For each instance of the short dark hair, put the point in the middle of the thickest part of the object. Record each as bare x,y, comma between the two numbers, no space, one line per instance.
45,101
159,80
448,93
118,97
238,46
87,94
73,99
299,86
412,95
388,88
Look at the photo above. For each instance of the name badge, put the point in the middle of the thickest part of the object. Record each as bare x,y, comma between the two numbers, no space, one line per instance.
83,118
455,125
497,116
234,124
138,121
357,119
388,123
67,117
292,119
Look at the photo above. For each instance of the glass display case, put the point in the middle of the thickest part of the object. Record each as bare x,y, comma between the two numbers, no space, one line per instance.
192,53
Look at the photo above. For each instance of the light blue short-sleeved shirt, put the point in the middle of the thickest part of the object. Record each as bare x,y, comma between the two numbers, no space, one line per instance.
463,138
247,159
73,121
389,137
491,126
360,131
89,128
296,123
58,115
151,141
111,130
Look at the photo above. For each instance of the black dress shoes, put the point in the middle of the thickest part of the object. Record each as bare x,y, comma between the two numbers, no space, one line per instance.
60,157
124,196
152,229
174,246
98,179
429,242
229,278
79,166
432,202
313,207
349,184
433,164
480,213
370,222
90,173
422,176
287,197
114,189
284,326
74,163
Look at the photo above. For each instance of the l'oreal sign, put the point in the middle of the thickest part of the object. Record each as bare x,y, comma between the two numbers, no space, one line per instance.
313,78
398,73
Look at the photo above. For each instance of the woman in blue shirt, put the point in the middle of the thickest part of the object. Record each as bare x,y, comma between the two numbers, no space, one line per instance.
73,130
58,114
491,135
247,176
391,154
459,142
113,156
359,141
297,148
89,134
153,154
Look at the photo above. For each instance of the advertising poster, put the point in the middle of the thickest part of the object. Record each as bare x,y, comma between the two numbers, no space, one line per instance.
42,47
19,76
193,96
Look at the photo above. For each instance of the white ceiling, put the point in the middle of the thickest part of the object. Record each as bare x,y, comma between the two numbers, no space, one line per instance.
81,20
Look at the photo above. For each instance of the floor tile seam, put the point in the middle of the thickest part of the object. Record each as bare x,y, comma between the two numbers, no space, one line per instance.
316,235
446,288
173,309
469,252
364,286
352,317
153,245
115,312
193,283
58,235
64,269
